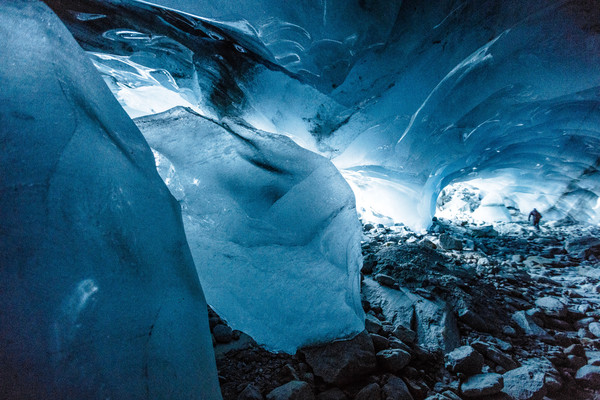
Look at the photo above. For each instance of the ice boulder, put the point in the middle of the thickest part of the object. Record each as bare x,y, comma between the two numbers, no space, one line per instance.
272,227
99,294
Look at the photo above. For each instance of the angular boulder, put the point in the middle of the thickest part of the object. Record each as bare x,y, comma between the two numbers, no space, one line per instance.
396,389
393,360
482,385
464,359
449,242
369,392
588,376
435,323
342,361
294,390
525,383
552,307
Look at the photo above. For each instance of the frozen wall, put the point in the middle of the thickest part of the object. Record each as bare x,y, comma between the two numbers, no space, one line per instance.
455,90
272,228
481,89
317,39
98,290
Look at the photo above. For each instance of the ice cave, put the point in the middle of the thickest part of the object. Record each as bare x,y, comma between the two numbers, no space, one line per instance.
322,199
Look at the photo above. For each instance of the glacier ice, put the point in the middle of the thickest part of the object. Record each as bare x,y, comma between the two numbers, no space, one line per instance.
316,39
440,93
405,97
437,94
99,294
272,228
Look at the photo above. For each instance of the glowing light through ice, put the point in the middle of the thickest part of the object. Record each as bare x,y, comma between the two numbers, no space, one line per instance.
142,90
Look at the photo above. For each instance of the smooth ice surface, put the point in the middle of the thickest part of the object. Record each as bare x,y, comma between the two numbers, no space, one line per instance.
272,228
442,92
99,296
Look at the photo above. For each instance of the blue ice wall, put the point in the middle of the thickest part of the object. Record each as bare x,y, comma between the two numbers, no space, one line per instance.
98,292
441,92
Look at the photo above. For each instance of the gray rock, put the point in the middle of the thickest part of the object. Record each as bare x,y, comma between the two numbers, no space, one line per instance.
427,243
385,280
536,315
576,362
464,359
372,324
482,385
250,393
583,247
525,383
500,358
405,334
575,350
589,376
527,325
222,333
369,263
379,342
289,373
435,323
594,329
332,394
483,261
487,231
393,360
436,396
369,392
213,321
469,245
450,395
583,323
509,330
398,344
449,242
294,390
553,382
396,389
472,319
342,361
517,258
552,307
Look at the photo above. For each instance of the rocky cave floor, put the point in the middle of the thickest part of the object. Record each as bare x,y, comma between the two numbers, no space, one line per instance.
520,308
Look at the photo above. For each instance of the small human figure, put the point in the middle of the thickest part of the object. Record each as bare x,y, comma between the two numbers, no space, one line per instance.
536,218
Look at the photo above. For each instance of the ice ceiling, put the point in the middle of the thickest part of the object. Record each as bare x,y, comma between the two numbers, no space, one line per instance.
403,97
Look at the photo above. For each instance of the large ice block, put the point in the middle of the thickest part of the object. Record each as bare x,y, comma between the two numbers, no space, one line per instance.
98,293
272,228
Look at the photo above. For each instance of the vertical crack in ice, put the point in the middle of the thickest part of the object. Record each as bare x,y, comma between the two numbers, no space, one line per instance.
147,352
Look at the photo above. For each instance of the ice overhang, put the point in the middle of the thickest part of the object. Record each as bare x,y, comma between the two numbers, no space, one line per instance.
437,94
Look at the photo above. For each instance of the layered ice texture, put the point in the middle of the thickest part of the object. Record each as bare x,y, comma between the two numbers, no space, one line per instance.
404,97
272,228
98,291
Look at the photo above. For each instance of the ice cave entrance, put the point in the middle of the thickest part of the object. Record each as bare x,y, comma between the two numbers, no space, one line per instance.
505,199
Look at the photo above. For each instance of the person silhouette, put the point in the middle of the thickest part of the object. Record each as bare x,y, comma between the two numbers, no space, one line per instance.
536,218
